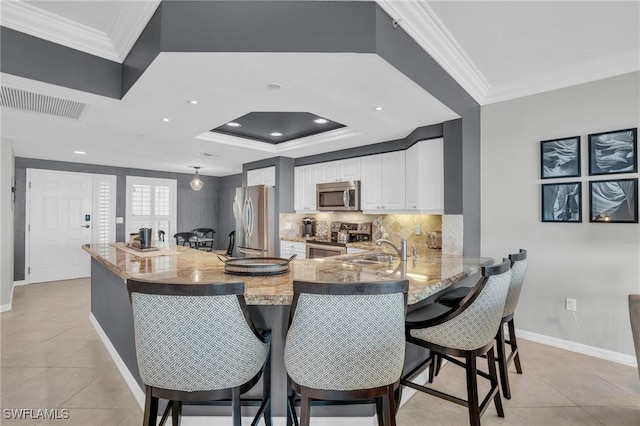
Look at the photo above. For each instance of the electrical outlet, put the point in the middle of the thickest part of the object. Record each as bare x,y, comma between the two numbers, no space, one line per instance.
287,226
570,304
417,230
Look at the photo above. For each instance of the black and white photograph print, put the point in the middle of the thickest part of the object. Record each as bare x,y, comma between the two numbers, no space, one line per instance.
614,201
562,202
613,152
560,158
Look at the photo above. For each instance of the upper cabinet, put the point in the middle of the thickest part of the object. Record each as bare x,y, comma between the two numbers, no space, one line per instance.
383,182
341,170
265,176
306,178
424,184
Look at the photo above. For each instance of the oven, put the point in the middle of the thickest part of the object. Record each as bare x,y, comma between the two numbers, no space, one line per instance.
338,196
324,249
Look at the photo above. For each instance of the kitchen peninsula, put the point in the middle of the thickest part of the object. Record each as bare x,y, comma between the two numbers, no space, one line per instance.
269,298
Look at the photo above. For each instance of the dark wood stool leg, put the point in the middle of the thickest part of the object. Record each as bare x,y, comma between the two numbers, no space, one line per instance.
235,407
391,405
491,360
514,345
305,409
266,391
379,411
502,363
472,389
176,413
150,407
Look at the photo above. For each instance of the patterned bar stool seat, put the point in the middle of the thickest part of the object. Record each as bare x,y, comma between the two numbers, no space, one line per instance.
346,342
197,343
468,332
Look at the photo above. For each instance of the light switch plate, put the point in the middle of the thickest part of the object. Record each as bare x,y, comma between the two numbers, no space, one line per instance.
120,220
417,229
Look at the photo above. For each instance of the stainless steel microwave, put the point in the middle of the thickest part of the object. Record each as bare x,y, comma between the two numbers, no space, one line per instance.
338,196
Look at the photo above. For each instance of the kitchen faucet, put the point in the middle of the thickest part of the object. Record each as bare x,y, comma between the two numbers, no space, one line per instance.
402,250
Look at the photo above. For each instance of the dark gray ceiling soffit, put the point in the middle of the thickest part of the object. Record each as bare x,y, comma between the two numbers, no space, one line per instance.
259,125
37,59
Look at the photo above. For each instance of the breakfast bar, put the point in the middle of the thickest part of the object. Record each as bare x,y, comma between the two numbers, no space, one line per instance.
268,298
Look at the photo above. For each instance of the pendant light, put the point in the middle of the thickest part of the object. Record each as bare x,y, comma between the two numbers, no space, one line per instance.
196,183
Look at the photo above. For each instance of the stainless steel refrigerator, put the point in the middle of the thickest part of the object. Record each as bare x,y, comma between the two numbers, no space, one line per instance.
254,210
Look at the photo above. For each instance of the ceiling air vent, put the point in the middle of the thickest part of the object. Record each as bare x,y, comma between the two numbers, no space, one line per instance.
37,102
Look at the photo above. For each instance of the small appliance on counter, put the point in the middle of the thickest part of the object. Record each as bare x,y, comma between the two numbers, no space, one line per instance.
434,240
308,227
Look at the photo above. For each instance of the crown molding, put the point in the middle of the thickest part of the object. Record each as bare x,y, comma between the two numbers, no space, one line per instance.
132,19
23,17
306,142
424,26
599,69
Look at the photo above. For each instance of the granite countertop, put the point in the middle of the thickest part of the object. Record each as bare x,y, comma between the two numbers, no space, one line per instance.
428,275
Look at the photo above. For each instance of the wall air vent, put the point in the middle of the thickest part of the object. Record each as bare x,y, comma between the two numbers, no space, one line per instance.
37,102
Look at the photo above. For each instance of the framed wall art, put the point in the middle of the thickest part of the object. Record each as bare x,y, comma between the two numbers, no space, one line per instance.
560,158
613,152
614,201
562,202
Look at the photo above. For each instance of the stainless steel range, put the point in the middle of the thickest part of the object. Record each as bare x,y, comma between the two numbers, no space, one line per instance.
341,234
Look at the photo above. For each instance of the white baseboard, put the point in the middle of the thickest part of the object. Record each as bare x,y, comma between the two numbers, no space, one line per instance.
580,348
131,382
5,308
21,282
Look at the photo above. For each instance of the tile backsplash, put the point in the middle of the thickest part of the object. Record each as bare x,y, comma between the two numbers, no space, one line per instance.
390,225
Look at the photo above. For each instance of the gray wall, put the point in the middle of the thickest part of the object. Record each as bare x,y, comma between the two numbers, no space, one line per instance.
6,223
598,264
195,209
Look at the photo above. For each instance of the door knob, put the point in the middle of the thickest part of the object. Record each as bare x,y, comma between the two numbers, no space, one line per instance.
86,226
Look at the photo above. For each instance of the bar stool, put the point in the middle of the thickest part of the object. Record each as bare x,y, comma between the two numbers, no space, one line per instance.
467,331
518,270
197,343
345,343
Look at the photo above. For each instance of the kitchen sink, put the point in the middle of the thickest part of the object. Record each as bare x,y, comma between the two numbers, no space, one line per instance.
373,259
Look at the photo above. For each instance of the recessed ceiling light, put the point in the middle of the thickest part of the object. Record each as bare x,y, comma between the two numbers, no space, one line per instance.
79,152
193,101
320,121
234,124
275,134
378,108
166,120
274,86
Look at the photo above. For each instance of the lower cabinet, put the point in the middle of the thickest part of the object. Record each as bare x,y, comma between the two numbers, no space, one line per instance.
289,248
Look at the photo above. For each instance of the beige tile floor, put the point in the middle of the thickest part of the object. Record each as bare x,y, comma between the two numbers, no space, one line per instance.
51,358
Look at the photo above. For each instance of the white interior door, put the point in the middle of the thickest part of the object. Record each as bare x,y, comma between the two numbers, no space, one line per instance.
58,224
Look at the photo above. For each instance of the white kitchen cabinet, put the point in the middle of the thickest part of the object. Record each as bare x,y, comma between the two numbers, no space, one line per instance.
306,178
339,171
424,178
289,248
264,176
383,182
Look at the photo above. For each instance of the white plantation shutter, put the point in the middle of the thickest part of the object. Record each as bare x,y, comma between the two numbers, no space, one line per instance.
104,209
151,203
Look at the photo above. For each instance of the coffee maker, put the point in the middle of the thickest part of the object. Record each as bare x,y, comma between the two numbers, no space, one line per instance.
308,227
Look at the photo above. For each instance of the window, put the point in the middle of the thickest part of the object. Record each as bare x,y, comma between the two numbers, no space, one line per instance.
151,203
104,209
